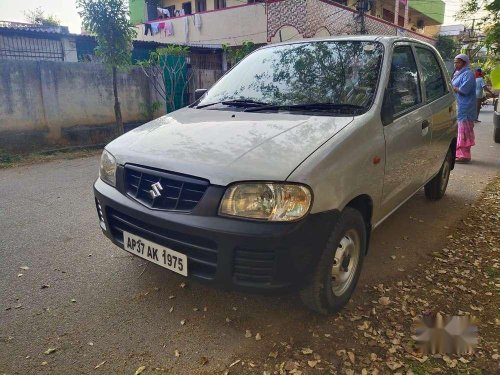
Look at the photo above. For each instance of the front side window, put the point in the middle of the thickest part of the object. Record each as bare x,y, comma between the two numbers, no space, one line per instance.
403,81
339,73
432,74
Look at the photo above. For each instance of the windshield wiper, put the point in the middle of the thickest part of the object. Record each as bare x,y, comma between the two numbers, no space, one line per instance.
309,106
236,103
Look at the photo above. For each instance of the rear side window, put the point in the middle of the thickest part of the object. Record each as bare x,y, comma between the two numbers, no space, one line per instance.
432,75
403,82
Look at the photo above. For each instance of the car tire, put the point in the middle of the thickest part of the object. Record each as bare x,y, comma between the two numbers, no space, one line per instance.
496,134
435,188
339,267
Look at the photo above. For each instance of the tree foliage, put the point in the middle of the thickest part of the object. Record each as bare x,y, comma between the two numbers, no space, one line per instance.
489,22
447,46
236,54
108,20
167,71
38,17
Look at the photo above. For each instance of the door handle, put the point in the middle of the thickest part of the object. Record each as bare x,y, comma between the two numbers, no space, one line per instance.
425,124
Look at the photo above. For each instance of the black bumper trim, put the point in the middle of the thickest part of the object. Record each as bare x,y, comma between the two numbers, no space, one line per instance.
228,253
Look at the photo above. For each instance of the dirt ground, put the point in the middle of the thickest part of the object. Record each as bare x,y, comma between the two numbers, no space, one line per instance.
378,332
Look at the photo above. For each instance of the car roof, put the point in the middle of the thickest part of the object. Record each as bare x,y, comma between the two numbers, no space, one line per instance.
384,39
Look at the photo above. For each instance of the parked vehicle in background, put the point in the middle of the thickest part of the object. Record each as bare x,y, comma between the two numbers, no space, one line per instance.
277,176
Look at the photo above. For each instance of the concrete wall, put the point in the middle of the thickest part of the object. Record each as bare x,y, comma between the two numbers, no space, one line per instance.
47,103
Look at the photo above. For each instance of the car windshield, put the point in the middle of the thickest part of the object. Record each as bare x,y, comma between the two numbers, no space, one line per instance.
333,74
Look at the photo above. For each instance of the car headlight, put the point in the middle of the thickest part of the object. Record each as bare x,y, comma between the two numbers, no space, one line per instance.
266,201
107,171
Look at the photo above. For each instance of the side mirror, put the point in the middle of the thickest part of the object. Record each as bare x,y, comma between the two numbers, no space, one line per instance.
199,93
387,112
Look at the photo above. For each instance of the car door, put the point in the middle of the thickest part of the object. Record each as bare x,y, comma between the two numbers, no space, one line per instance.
407,136
439,104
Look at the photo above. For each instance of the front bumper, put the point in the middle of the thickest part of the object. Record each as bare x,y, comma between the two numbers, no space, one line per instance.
229,253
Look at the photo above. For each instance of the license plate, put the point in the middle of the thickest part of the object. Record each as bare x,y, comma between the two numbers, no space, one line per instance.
161,255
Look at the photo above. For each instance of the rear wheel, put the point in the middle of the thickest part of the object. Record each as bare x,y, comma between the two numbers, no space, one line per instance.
338,270
435,188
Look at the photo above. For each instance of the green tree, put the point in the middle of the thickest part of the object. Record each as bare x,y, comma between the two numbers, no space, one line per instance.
447,46
38,17
236,54
489,22
109,21
167,71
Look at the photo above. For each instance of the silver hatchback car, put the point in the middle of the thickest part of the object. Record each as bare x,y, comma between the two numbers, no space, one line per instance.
275,178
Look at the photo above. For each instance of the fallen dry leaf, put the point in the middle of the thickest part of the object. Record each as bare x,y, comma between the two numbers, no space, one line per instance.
50,351
248,333
203,361
307,351
312,363
393,365
25,268
140,370
258,337
384,301
177,353
351,357
100,364
183,322
235,362
273,354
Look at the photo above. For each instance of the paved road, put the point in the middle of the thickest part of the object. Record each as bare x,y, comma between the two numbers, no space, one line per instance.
120,310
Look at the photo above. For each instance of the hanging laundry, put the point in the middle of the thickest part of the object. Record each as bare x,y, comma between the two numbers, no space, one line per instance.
186,28
182,12
161,26
147,27
163,12
155,28
197,21
169,28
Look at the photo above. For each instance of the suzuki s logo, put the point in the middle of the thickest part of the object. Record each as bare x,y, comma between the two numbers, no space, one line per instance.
156,188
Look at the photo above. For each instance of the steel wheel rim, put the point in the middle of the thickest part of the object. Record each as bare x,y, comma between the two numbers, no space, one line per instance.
345,263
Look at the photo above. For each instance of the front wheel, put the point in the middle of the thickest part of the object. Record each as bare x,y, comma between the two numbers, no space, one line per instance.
435,188
338,270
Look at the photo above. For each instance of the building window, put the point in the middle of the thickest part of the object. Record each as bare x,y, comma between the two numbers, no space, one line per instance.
201,5
219,4
389,17
187,7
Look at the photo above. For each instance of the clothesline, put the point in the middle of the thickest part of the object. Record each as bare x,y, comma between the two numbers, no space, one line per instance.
156,27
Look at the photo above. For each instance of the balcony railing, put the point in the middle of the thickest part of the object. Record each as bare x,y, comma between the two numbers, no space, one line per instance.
231,25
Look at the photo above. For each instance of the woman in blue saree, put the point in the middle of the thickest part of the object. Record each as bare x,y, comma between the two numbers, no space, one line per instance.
464,85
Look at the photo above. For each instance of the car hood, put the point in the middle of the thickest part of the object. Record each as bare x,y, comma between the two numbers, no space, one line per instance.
225,146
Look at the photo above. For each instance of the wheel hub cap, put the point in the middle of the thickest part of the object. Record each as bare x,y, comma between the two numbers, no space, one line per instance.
345,263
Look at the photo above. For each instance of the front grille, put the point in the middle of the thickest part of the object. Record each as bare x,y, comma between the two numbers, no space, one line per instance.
201,252
171,192
253,266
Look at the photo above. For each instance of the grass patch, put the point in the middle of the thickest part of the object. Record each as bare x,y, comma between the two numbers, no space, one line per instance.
9,160
492,272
